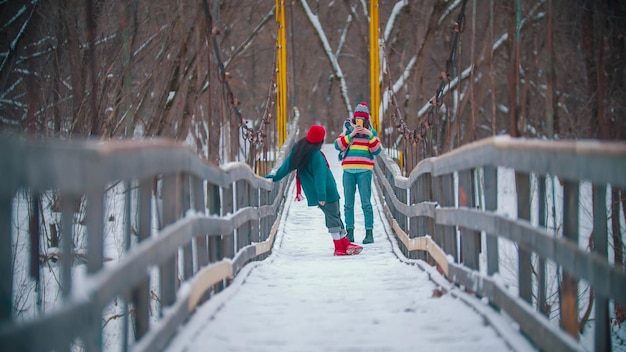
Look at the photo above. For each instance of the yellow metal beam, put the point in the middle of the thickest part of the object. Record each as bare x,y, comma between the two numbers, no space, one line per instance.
374,66
281,74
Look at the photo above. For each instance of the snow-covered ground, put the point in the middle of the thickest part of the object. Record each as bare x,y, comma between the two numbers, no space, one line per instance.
302,298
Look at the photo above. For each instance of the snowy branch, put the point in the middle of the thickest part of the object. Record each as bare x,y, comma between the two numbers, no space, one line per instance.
329,53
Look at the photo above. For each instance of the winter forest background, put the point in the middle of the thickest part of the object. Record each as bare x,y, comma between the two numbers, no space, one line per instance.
203,72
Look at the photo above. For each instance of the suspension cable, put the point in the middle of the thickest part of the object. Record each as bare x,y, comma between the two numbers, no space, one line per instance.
419,134
248,134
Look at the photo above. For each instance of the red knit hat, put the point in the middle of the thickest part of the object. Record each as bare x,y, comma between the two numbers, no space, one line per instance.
361,111
316,134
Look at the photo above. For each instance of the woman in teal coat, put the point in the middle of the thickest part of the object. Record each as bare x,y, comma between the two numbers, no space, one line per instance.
318,185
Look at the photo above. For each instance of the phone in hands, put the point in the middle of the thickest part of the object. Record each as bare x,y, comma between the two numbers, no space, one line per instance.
359,122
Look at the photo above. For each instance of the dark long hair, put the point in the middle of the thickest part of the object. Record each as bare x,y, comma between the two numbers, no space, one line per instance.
302,152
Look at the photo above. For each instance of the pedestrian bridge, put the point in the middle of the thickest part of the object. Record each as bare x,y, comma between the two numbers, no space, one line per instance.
216,257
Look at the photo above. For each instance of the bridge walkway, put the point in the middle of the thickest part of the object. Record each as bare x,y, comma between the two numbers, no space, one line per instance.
302,298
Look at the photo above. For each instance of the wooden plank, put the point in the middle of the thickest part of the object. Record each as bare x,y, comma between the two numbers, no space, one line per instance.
34,229
243,201
255,229
168,270
524,272
264,223
421,209
95,230
228,207
602,335
418,193
6,258
542,304
569,284
541,331
598,162
266,246
205,279
159,336
197,192
185,206
95,334
67,243
429,221
611,282
140,295
470,240
215,243
50,332
491,204
449,233
424,243
243,256
401,194
95,250
438,236
537,328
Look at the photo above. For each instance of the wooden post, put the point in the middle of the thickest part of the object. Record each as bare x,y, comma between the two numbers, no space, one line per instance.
255,229
228,206
197,192
67,243
141,294
6,258
243,201
185,198
416,223
491,204
470,240
445,235
542,304
168,270
216,243
600,246
569,285
402,220
429,223
95,229
522,185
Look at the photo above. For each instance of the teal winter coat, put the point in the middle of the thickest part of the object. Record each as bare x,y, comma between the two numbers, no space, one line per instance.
316,178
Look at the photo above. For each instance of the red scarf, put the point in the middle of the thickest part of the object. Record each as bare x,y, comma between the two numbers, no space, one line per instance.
299,195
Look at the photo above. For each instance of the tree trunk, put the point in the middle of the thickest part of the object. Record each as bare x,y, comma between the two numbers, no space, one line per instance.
550,76
588,44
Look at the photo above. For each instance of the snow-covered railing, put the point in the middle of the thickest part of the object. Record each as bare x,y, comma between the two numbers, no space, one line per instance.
441,212
194,225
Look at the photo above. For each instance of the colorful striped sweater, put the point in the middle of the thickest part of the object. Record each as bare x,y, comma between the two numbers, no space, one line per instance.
361,151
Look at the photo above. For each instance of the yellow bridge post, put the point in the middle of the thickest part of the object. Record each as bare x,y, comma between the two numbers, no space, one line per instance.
374,66
281,74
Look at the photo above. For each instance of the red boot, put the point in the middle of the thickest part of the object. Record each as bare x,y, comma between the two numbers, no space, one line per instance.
351,248
340,248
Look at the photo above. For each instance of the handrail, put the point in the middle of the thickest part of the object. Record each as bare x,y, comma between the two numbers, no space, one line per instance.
161,169
429,192
84,169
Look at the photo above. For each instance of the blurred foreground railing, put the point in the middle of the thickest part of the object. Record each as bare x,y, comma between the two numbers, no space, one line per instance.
441,211
195,225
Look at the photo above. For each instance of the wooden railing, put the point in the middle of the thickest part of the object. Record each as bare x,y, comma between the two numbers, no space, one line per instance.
211,221
453,199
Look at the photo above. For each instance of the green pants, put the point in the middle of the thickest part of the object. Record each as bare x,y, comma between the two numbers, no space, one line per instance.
332,216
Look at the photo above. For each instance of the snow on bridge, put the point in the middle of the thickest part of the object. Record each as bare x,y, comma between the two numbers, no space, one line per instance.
302,298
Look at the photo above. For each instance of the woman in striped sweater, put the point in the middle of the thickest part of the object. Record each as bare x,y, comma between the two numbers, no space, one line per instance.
357,146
